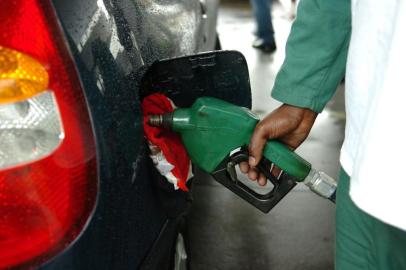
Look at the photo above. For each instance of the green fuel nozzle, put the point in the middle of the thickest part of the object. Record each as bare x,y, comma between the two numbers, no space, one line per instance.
211,129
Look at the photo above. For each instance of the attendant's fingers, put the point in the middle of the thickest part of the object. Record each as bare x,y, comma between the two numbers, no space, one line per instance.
262,180
244,167
253,174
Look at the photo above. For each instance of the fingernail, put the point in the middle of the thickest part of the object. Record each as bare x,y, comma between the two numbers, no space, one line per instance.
251,161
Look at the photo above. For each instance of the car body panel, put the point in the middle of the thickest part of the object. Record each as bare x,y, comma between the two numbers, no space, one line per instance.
112,44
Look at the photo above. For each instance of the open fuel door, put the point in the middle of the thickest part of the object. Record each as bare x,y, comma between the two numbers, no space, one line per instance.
219,74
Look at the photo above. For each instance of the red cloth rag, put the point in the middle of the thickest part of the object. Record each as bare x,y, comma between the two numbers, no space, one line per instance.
168,141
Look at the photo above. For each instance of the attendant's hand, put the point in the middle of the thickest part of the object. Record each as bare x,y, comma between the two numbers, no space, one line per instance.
289,124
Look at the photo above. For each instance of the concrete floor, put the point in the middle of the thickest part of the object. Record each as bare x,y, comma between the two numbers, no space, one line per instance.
227,233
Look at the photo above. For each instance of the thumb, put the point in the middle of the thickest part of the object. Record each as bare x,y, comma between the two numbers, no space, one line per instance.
257,143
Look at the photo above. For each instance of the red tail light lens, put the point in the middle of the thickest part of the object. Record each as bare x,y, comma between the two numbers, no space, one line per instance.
48,172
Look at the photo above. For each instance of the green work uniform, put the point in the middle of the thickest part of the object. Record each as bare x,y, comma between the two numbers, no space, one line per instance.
362,241
316,55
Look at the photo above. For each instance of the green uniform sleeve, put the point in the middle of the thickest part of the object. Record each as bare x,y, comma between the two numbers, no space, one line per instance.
316,54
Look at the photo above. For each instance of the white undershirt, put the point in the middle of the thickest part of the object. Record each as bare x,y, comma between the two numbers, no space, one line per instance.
374,150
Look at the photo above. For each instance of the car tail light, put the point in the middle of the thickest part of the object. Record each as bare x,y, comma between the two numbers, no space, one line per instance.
48,172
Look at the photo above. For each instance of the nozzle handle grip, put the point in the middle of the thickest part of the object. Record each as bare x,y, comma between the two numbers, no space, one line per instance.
286,159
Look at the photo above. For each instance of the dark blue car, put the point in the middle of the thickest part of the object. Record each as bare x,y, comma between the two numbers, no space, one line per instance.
77,189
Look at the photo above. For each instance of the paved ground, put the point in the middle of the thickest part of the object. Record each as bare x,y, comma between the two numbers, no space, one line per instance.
225,232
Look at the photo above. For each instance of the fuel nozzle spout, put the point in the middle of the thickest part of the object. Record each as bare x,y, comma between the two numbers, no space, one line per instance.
161,120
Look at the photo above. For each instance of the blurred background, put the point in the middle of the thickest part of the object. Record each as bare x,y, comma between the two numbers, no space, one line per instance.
227,233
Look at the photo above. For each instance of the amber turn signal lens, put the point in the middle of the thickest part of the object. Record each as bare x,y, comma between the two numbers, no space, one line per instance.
21,76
